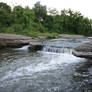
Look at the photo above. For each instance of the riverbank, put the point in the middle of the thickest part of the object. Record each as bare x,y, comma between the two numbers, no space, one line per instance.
33,43
70,36
13,40
47,35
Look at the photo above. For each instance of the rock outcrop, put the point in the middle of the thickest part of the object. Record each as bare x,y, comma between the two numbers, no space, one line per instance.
84,50
13,40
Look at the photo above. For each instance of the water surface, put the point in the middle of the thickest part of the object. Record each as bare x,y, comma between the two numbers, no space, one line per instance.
53,69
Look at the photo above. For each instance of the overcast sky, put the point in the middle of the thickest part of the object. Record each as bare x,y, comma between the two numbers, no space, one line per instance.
84,6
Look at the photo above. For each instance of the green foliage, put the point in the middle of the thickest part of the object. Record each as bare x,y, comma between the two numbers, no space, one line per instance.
5,7
51,35
36,21
10,30
17,28
4,17
40,12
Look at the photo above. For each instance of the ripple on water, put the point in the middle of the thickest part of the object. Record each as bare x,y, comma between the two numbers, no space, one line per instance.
42,71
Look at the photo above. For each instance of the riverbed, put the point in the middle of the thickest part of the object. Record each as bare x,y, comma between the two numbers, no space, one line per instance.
53,69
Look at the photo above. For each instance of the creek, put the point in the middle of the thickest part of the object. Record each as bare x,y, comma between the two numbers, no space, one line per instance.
53,69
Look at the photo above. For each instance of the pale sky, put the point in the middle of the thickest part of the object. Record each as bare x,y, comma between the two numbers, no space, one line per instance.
84,6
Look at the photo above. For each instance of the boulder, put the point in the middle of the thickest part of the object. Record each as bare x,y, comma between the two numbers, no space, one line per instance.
13,40
84,50
35,46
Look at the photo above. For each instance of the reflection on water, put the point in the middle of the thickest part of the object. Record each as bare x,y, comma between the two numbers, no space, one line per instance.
45,71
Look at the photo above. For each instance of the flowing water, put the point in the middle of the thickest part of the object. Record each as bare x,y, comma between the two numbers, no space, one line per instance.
53,69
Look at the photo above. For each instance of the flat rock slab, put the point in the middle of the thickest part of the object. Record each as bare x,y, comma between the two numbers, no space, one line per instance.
83,54
13,36
37,42
13,40
85,47
84,50
70,36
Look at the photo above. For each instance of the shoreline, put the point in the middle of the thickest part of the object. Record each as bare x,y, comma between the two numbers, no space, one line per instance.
13,40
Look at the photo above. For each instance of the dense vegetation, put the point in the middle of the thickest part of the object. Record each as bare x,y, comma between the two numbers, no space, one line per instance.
38,20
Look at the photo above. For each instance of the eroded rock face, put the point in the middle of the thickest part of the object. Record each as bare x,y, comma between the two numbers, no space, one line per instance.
12,40
84,50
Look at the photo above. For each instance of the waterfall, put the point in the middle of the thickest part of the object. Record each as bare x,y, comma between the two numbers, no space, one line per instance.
57,49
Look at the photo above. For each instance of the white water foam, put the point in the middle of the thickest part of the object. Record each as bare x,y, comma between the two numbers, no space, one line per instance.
52,63
24,48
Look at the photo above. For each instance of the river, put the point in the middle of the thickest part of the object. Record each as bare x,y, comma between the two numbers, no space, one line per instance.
53,69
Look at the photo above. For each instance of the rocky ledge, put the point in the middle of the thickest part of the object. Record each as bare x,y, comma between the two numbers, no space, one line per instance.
35,45
70,36
84,50
13,40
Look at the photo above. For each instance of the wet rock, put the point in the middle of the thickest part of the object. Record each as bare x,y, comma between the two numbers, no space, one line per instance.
84,50
35,46
85,47
82,54
90,38
13,40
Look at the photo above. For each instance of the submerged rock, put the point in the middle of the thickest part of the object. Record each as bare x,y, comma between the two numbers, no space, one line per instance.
13,40
84,50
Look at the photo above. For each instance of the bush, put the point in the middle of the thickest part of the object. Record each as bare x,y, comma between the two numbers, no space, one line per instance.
9,30
30,33
37,28
17,27
51,35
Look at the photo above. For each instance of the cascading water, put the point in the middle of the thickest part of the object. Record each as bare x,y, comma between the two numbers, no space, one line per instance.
57,50
54,69
61,46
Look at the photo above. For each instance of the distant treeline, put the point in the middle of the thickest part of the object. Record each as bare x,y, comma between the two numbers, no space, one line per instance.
21,20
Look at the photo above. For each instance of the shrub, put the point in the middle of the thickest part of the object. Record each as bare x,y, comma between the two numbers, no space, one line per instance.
51,35
17,27
9,30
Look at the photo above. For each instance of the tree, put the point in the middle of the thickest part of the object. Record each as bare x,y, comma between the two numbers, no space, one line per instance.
18,12
5,11
40,12
29,17
5,7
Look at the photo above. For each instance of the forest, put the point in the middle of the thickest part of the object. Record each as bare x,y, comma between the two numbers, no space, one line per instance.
42,21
